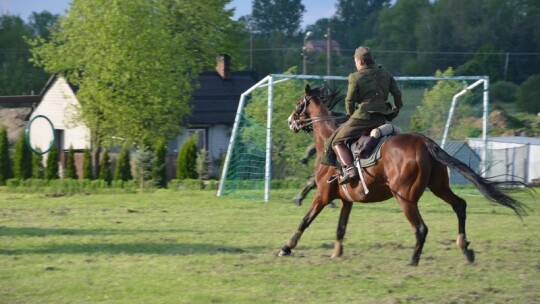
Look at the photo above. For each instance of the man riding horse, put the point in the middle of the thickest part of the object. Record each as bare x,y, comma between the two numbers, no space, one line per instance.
369,87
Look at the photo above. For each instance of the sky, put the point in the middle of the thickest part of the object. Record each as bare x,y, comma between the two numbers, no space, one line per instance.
315,9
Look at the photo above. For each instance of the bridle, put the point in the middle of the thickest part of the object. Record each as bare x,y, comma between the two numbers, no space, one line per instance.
301,122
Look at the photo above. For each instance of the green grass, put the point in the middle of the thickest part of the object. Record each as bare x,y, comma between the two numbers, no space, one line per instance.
193,247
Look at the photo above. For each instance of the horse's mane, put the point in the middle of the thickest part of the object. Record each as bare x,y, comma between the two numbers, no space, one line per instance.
330,95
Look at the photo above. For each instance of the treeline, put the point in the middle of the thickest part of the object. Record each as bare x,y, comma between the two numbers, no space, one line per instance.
496,38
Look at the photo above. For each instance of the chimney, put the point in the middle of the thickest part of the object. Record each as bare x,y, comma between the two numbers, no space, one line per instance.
223,66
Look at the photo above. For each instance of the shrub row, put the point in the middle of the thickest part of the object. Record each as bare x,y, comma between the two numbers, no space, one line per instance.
85,186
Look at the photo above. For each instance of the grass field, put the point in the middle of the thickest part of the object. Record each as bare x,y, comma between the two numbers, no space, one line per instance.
193,247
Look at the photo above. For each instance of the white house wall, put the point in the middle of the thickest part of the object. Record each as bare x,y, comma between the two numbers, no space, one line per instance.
59,104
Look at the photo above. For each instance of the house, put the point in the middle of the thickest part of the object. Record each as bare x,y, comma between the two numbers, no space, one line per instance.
321,46
214,106
58,102
510,157
461,151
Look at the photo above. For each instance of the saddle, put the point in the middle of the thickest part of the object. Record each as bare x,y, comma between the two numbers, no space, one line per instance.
367,148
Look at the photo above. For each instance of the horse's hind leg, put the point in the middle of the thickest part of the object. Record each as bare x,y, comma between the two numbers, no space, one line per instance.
346,207
314,210
441,188
410,209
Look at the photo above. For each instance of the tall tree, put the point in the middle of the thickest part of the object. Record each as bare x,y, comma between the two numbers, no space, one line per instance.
277,16
87,164
160,164
22,160
51,171
38,170
352,20
71,169
5,161
187,159
143,55
17,75
122,170
105,167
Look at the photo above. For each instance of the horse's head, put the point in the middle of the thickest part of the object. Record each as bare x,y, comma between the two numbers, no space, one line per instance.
307,107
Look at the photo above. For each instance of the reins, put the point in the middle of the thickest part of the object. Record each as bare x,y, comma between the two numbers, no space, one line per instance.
304,123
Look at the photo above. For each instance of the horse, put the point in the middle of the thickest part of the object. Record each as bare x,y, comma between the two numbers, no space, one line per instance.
409,163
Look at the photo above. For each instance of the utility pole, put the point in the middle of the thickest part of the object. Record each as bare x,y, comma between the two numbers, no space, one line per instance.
250,26
328,51
304,52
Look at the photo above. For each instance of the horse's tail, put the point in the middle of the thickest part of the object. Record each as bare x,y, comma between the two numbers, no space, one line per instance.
494,191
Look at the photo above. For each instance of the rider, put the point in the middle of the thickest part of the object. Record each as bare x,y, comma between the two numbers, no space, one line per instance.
369,87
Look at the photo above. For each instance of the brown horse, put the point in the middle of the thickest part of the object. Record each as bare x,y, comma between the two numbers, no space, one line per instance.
409,164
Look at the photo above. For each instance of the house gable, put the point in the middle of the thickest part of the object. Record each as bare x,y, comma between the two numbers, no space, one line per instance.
60,105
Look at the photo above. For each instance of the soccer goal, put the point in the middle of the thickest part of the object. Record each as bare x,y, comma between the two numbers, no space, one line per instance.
262,149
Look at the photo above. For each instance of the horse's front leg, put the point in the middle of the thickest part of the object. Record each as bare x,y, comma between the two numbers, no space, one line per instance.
346,207
314,210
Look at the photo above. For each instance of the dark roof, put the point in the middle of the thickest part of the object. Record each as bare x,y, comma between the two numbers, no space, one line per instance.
22,101
453,147
216,100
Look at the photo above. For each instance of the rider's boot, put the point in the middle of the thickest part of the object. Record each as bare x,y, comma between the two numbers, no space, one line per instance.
345,159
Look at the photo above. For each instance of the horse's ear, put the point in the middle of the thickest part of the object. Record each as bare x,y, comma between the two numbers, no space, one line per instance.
308,89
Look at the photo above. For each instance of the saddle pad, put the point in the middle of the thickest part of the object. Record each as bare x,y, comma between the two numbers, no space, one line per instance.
372,159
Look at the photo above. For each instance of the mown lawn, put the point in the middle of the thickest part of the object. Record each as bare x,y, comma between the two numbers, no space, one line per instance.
194,247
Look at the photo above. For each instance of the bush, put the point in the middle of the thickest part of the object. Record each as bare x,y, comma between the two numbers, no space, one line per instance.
187,159
143,163
71,169
105,167
5,161
528,95
122,171
87,165
22,160
160,165
38,170
51,171
503,91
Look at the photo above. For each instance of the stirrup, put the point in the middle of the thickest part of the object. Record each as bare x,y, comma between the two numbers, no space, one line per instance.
348,175
332,178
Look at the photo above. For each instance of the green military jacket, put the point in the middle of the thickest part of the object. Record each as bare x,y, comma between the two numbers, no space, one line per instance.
369,87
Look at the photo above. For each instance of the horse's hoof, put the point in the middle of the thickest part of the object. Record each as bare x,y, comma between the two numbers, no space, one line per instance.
470,255
284,252
413,263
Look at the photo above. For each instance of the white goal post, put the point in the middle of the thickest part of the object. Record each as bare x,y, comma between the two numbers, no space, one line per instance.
274,79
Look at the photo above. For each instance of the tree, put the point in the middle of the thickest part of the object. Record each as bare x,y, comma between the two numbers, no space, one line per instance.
71,169
22,160
87,164
122,171
38,170
528,95
5,162
203,164
144,55
17,75
503,91
277,16
143,163
431,119
51,171
160,165
187,159
105,167
351,19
